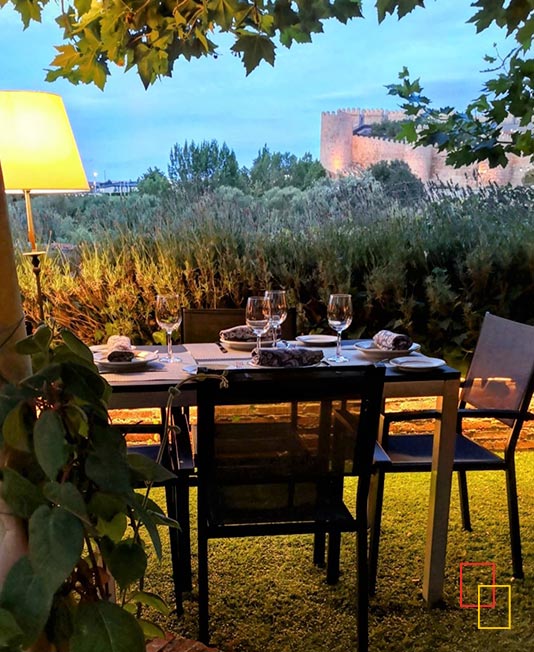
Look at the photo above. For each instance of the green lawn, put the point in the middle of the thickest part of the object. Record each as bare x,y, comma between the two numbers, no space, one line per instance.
266,596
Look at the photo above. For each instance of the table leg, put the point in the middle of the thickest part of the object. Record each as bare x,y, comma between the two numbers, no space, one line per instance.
440,492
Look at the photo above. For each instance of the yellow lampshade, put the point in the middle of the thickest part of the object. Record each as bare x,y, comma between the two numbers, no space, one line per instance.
38,152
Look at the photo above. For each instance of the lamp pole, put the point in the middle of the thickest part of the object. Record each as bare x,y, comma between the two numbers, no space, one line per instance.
34,255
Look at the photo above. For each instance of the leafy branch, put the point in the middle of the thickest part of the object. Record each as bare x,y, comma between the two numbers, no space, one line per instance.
151,36
486,130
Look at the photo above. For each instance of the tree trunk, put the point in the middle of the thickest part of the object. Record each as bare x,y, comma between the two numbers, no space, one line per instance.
13,367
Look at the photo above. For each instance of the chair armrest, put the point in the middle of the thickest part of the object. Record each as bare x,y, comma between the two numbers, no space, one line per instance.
389,417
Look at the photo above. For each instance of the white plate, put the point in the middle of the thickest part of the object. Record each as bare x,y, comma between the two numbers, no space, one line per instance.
99,348
317,340
416,363
244,346
369,349
141,359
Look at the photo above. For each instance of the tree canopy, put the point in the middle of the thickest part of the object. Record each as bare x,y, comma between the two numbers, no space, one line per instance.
150,36
282,170
199,168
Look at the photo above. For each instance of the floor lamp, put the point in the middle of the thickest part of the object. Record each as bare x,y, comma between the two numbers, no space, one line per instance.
38,155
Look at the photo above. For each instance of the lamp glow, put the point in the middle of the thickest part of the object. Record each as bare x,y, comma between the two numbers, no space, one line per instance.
38,153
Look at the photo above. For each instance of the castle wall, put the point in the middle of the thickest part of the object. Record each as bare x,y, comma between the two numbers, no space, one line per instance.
336,147
342,151
367,151
336,141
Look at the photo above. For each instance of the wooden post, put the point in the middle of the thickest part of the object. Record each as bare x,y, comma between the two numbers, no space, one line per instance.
13,367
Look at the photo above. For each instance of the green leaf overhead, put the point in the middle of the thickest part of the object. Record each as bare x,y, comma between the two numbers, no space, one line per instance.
402,7
254,49
151,36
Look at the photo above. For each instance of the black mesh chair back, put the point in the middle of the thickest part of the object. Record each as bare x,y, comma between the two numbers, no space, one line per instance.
500,373
204,325
260,476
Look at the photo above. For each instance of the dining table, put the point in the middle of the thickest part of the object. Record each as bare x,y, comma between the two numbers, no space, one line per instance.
149,385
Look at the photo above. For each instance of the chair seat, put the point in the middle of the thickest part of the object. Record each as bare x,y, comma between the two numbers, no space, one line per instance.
289,520
414,453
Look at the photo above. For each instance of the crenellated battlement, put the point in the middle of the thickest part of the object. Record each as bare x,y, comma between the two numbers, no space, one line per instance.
383,139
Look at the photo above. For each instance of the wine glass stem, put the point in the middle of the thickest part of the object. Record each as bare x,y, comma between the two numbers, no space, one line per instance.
338,345
169,346
258,342
275,329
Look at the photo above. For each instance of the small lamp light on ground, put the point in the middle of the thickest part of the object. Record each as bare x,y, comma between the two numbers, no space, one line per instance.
38,154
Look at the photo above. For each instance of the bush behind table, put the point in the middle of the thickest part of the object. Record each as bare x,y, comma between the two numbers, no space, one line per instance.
431,268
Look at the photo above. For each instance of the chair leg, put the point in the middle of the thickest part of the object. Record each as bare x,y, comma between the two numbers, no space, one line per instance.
363,591
332,565
203,595
184,535
376,498
319,548
294,414
464,501
174,539
362,564
513,517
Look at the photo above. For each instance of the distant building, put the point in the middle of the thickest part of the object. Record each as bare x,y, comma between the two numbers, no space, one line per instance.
114,187
346,146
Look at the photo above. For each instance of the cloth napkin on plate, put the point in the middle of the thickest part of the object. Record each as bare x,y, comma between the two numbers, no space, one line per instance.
390,341
296,357
240,334
119,349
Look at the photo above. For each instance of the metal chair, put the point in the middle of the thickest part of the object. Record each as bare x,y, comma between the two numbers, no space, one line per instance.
498,385
264,478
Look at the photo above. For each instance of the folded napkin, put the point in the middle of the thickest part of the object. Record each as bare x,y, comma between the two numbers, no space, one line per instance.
240,334
390,341
119,349
296,357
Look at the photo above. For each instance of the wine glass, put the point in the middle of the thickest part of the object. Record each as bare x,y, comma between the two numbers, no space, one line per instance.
278,310
257,316
169,318
339,314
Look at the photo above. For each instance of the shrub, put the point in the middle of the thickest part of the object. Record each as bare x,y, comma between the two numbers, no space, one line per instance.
432,268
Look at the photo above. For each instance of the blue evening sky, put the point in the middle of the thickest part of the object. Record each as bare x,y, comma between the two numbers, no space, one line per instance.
124,130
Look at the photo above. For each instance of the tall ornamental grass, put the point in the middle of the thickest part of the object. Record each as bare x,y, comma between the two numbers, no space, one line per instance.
431,268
